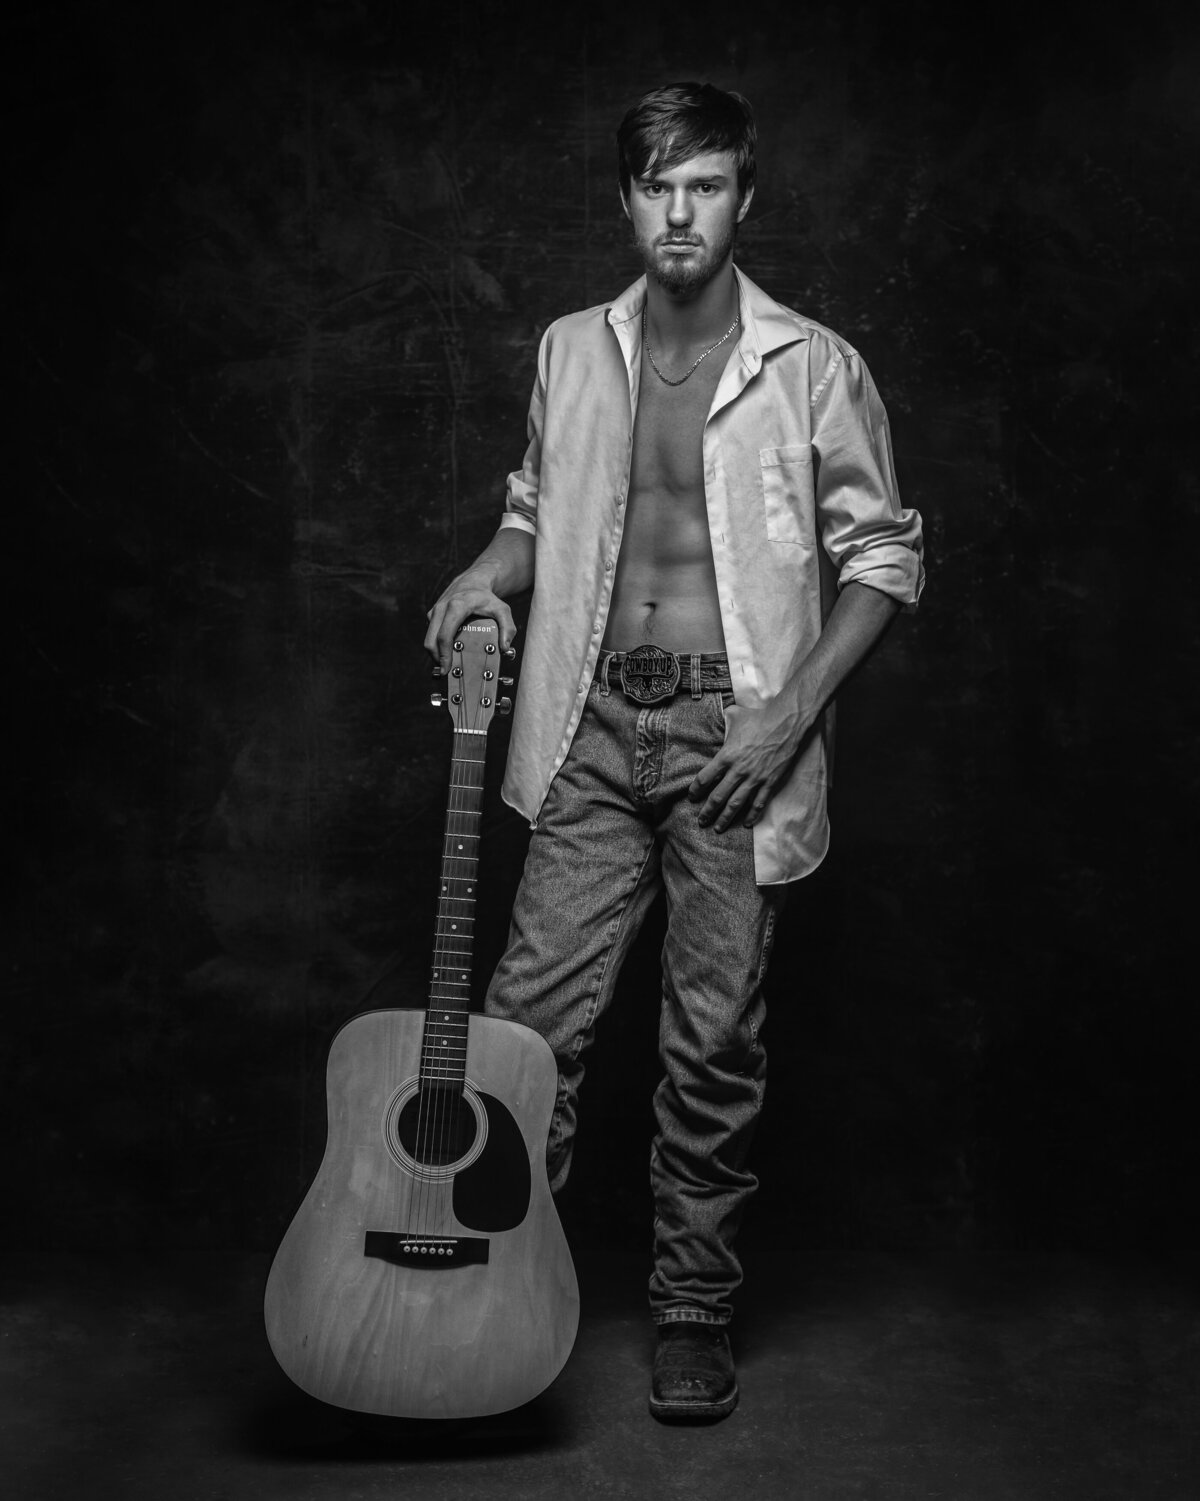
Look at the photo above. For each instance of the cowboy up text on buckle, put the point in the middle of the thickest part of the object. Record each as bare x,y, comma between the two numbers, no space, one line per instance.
649,675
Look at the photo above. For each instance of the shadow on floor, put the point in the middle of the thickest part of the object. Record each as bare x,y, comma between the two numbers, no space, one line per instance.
986,1378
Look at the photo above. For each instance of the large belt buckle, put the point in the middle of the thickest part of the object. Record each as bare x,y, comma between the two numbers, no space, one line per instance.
649,675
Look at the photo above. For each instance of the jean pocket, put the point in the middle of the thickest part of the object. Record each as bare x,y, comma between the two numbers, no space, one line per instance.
788,498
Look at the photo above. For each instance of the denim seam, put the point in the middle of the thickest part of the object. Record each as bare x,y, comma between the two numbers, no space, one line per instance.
649,751
764,957
689,1316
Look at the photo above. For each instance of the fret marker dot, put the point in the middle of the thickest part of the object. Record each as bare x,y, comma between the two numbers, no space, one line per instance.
460,846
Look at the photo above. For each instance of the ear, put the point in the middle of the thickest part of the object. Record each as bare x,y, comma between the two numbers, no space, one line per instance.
624,202
744,206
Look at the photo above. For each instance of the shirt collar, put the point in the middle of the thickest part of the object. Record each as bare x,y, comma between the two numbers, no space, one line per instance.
766,324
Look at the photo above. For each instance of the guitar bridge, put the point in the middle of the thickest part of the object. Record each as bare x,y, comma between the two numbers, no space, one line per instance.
428,1252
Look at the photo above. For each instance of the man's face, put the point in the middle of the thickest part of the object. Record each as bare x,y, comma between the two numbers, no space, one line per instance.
685,220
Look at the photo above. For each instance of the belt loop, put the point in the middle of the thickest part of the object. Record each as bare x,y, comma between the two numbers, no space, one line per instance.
697,691
605,664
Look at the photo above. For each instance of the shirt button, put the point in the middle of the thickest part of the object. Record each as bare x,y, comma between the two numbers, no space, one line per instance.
620,500
608,566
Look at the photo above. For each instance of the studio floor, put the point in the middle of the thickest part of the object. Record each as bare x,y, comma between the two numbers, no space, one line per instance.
986,1378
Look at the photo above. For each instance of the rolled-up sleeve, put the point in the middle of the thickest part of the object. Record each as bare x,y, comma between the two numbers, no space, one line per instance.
521,501
869,537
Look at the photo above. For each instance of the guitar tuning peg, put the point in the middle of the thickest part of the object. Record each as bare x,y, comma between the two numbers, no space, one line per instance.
506,682
436,700
504,707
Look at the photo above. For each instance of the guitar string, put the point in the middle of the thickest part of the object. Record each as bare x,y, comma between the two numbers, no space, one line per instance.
459,802
427,1092
442,1107
468,808
434,1152
460,798
437,1119
427,1109
473,801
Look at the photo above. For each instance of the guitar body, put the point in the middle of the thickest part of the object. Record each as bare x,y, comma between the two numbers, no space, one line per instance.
426,1274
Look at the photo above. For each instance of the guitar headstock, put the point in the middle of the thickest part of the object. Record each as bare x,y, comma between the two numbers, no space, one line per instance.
474,683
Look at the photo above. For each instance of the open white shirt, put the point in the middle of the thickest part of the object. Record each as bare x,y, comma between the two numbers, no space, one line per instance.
801,495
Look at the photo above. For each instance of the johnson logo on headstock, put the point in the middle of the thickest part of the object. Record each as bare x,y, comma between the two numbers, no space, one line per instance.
474,679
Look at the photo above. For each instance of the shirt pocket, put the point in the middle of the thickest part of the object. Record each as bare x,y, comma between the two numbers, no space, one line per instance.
787,485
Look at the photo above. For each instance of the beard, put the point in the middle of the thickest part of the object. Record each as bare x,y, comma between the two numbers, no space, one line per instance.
680,274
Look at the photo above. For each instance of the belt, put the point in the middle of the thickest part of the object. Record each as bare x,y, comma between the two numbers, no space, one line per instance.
647,675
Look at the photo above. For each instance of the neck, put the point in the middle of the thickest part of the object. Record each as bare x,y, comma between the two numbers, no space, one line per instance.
693,317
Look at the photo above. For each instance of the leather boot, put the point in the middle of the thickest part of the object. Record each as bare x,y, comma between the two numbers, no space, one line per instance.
694,1379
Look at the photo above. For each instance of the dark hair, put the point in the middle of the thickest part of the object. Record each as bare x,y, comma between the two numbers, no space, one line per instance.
681,120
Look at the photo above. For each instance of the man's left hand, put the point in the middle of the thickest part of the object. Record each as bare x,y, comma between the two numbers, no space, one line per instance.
760,746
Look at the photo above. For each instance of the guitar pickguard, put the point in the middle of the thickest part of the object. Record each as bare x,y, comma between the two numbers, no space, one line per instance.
492,1194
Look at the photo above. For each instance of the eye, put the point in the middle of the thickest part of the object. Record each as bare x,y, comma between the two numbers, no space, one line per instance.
706,189
652,189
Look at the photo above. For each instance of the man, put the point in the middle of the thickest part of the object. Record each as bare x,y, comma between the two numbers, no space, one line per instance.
706,471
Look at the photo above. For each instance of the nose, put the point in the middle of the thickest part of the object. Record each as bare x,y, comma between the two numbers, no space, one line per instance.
679,210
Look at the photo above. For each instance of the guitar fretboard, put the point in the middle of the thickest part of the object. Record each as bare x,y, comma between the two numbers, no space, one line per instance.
444,1051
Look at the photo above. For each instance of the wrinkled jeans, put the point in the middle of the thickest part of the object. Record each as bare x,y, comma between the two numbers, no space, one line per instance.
616,825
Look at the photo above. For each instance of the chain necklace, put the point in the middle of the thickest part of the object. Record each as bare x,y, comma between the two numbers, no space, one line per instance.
666,380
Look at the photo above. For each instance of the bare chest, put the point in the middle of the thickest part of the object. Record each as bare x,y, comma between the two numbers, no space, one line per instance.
668,434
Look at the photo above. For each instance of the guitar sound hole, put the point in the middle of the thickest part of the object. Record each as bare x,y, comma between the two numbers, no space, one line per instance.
437,1127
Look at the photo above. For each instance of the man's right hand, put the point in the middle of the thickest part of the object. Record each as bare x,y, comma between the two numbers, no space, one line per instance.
504,567
469,595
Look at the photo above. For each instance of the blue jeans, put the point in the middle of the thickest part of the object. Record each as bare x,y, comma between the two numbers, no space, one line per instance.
615,827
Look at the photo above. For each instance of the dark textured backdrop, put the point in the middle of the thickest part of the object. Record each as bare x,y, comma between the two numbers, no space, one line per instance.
277,274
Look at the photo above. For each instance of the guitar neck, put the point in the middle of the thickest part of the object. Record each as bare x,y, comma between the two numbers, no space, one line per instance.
444,1052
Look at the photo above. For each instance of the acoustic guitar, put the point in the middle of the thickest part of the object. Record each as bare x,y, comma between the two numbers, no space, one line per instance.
426,1274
